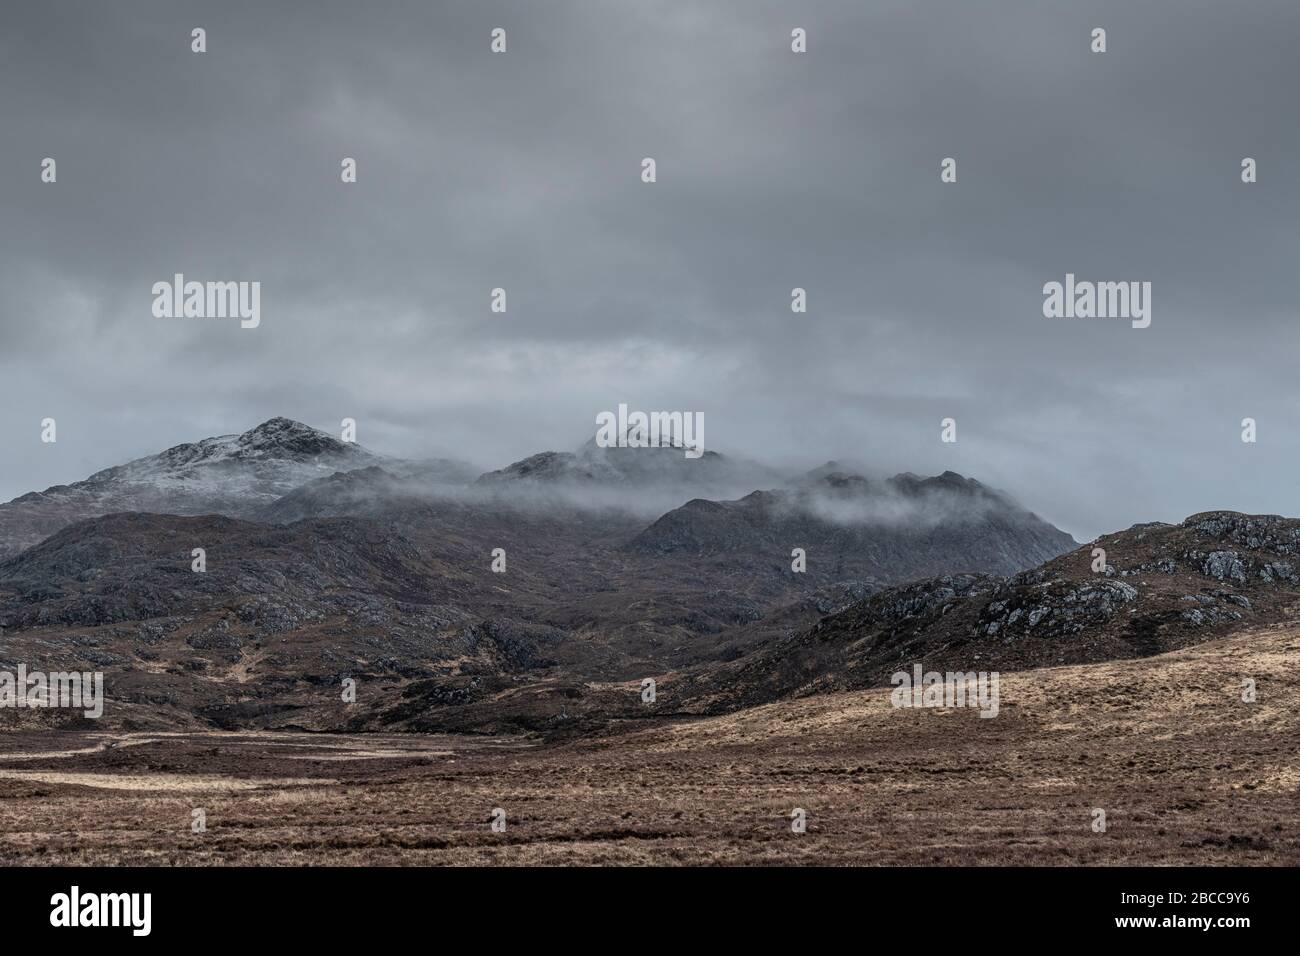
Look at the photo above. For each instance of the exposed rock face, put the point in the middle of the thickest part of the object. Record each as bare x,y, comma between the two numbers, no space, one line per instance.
1221,565
1256,532
1057,610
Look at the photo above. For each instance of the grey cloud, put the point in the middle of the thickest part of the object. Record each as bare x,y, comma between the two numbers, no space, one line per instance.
775,171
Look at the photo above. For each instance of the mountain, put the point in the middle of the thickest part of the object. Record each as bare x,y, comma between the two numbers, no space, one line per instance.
558,645
1164,587
854,527
325,560
649,480
232,475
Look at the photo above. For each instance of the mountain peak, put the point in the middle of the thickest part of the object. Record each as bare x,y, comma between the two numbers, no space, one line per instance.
279,423
284,436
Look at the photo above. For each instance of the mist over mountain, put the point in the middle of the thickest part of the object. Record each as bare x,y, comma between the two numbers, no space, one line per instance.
283,471
840,496
643,480
325,559
233,475
895,529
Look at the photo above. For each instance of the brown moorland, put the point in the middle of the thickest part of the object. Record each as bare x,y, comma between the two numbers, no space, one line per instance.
1186,771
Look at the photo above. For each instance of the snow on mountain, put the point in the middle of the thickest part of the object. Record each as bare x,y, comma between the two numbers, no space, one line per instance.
263,463
232,475
657,477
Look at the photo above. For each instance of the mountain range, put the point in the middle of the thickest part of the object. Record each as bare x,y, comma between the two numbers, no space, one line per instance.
326,561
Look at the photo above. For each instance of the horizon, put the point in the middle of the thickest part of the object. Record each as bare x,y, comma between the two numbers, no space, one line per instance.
786,473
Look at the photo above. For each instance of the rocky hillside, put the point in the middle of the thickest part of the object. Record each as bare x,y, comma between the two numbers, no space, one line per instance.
279,616
439,643
1163,587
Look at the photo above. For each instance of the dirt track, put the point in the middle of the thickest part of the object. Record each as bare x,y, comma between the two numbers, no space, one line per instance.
1186,772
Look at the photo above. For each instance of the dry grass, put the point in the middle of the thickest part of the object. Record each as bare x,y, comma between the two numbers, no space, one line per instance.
1186,772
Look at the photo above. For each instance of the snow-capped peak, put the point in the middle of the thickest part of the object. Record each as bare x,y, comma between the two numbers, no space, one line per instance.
270,459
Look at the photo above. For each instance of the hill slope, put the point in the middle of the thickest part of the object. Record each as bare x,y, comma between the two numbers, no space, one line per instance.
1164,587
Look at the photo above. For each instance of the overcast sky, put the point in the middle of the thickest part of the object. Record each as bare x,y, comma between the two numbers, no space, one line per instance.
775,170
